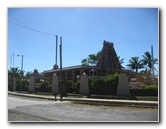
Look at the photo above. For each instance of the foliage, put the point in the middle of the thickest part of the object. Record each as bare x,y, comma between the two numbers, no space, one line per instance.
14,72
28,74
121,61
147,60
135,63
45,87
73,87
92,59
103,85
85,62
149,87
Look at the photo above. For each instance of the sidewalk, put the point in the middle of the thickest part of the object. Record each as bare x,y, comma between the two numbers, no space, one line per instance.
94,101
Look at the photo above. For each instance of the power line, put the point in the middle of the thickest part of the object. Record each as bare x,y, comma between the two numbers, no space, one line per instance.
30,28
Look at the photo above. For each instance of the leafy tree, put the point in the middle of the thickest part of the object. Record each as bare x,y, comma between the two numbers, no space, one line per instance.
28,74
147,60
135,63
92,59
85,62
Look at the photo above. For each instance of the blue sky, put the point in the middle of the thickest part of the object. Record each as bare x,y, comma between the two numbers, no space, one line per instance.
83,30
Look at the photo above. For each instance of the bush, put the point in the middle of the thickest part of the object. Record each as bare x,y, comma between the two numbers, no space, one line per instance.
73,87
104,85
45,87
149,87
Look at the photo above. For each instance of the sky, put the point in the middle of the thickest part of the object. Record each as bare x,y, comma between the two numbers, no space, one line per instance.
31,33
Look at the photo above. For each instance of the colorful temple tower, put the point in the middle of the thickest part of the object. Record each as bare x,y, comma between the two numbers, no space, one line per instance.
108,58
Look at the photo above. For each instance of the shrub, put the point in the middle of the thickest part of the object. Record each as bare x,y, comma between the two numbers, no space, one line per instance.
104,85
45,87
149,87
73,87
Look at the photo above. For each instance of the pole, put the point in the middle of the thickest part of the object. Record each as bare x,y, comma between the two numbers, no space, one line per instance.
153,78
22,65
56,49
21,71
61,68
13,59
10,60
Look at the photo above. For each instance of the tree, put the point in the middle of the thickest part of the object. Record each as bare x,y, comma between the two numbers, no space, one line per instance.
135,63
92,59
145,72
85,62
147,60
28,74
121,61
14,72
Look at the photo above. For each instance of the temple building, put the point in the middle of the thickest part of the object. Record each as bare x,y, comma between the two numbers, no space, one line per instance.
108,63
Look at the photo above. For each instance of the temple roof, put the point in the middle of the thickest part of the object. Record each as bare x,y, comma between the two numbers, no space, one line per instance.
71,68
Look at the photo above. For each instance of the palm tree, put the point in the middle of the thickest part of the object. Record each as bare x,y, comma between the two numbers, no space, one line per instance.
147,60
14,72
121,61
135,63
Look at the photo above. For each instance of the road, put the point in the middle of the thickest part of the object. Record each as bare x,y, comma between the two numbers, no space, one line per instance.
28,109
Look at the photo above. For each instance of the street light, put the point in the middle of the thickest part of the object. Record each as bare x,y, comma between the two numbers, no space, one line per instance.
21,71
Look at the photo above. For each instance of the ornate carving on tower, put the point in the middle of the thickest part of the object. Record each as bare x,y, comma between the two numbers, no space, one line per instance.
108,58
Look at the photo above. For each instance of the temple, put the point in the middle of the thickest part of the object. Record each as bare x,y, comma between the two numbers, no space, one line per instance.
108,58
108,63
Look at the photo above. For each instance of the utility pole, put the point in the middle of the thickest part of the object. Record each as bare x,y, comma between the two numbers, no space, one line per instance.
10,60
13,59
56,49
60,87
153,77
56,66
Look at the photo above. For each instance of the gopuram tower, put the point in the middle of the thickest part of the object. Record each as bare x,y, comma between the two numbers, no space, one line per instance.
108,58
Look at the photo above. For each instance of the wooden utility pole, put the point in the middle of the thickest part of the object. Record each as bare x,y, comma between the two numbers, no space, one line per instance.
13,59
10,60
61,94
56,51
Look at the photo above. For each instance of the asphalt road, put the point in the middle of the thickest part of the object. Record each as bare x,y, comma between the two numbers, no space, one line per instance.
26,109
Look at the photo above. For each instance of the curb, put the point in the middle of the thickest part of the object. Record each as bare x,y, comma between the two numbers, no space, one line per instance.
105,102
